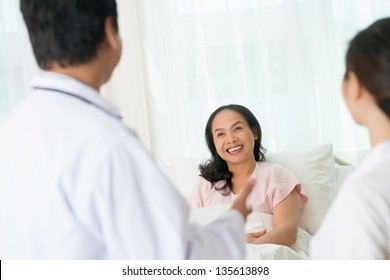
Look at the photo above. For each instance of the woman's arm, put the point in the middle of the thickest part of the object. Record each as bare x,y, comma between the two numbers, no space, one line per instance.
285,223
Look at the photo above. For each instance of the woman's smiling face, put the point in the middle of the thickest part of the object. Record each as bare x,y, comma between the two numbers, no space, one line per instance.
234,140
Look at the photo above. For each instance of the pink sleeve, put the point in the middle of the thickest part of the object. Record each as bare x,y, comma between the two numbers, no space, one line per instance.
281,183
197,197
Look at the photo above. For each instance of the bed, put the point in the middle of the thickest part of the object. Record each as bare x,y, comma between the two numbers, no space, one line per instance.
320,172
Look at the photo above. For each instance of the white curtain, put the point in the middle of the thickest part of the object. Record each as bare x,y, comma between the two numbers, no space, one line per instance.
16,61
126,88
182,59
284,60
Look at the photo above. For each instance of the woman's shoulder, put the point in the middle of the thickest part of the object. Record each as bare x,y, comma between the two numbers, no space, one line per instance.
204,184
203,191
276,171
271,167
207,186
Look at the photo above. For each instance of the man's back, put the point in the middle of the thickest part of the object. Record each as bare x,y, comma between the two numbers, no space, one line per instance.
74,182
58,148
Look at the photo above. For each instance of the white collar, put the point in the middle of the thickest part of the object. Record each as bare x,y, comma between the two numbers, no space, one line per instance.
59,83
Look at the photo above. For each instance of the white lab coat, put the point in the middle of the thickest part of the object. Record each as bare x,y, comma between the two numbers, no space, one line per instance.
77,184
357,225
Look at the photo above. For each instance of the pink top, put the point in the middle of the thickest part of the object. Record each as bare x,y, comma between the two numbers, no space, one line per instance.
273,184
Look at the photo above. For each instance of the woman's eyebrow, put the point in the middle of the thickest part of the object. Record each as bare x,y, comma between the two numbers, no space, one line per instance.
236,123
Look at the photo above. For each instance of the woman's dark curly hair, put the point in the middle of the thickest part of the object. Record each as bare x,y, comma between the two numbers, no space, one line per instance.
216,169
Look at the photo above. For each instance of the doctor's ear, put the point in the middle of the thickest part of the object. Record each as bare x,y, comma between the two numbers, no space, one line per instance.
111,36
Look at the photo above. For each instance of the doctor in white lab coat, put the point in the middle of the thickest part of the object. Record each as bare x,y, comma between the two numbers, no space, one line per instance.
357,225
75,183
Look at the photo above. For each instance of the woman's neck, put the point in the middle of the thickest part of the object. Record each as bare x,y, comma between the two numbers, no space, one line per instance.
241,173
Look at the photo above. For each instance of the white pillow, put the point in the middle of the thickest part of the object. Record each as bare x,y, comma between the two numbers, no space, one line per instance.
184,173
314,168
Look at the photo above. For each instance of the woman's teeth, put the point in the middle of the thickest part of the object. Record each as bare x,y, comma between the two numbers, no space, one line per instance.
234,149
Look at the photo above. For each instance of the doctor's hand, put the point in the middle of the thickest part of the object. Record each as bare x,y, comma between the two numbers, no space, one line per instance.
241,202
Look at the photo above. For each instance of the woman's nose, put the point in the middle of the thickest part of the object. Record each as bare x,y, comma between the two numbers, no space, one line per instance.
232,139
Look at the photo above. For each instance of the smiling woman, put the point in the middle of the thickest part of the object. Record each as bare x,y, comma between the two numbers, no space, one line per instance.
233,136
225,127
234,142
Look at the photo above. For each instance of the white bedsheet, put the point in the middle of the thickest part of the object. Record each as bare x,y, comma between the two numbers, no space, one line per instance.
255,222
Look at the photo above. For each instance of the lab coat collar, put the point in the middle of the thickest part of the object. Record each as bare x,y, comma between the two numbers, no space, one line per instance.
59,83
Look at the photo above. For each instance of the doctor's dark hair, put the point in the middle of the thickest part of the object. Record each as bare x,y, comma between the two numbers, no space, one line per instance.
368,56
67,31
216,169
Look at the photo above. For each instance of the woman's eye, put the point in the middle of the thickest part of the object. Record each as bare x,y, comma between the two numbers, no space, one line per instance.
238,128
220,134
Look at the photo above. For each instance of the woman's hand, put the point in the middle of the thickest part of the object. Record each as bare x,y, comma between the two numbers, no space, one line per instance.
253,236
